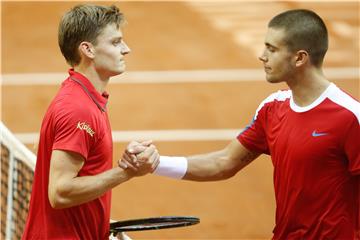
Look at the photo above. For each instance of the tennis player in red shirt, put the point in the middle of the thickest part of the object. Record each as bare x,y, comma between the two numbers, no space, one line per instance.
311,132
71,194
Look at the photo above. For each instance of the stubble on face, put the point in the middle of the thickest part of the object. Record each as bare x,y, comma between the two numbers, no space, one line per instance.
276,57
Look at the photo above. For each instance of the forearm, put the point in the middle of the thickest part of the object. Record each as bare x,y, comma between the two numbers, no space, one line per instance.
205,167
208,167
212,166
71,192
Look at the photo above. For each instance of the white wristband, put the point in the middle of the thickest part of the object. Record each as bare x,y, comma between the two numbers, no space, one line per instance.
173,167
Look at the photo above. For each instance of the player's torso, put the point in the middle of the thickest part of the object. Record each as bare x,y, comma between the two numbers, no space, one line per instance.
90,218
313,186
306,141
94,123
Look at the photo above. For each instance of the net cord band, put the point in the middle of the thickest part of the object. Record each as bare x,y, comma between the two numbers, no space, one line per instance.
8,139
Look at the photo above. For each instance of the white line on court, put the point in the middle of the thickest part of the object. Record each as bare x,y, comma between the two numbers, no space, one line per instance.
156,135
173,76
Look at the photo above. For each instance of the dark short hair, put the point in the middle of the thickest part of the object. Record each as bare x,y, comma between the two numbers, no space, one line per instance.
304,30
84,23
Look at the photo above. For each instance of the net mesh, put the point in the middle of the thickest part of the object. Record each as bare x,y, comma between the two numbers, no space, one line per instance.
17,171
4,187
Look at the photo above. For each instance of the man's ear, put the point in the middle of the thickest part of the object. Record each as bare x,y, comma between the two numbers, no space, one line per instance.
87,49
301,58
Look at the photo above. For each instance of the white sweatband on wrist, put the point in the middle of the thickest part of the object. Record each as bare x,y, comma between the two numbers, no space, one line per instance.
173,167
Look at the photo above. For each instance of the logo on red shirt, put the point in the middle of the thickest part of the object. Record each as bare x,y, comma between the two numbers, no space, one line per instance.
86,127
316,134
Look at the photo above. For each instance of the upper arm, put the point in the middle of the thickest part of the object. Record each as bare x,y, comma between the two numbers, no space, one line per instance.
64,166
238,156
75,128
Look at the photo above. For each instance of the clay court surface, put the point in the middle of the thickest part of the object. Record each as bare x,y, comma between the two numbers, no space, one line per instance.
182,36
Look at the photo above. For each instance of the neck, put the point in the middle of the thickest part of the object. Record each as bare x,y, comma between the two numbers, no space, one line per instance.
99,82
308,86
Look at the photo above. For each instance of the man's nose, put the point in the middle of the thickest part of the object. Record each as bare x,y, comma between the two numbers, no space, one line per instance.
263,58
125,49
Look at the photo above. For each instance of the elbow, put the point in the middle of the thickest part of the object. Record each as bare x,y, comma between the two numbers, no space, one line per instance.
230,174
57,203
57,199
225,169
226,175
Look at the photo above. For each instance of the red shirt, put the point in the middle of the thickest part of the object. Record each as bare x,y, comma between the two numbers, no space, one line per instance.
315,151
76,121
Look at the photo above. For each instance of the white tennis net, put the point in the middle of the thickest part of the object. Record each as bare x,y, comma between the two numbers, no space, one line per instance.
17,171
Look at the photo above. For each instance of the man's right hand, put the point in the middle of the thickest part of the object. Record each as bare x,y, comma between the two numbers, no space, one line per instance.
140,157
129,159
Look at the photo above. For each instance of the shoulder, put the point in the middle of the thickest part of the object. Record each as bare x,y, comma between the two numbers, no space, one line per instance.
70,92
71,98
278,97
344,100
73,105
73,115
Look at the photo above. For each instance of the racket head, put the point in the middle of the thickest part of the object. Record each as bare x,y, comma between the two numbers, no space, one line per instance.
153,223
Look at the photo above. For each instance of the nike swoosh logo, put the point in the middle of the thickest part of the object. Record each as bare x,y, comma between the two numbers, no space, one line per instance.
315,134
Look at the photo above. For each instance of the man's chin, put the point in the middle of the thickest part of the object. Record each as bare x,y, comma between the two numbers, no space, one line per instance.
121,70
117,72
272,80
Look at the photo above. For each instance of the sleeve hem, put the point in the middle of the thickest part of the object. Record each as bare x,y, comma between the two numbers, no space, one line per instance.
248,146
70,150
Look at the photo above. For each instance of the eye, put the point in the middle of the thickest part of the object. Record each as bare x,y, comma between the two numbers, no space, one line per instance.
271,49
117,41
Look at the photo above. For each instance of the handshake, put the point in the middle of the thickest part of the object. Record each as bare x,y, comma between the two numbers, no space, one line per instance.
140,158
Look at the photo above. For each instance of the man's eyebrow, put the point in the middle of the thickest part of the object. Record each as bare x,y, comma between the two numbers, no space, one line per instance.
117,38
269,45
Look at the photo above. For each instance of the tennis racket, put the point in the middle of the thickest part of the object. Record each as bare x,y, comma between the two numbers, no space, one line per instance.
152,223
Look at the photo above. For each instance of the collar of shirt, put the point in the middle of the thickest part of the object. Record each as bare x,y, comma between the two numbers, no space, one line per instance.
99,99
